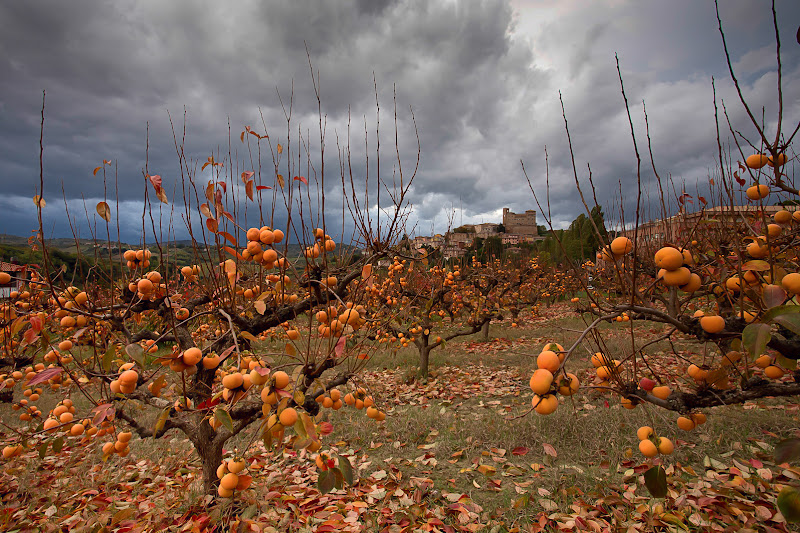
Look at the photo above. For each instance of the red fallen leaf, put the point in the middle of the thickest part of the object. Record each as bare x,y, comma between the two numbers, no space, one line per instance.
605,404
520,450
549,450
325,428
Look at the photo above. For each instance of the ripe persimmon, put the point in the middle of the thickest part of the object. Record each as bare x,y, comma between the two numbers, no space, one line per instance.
661,392
229,481
757,192
780,160
665,446
233,381
541,381
548,360
773,372
675,278
791,282
669,258
685,423
280,379
712,323
648,448
544,405
288,416
621,246
192,356
763,361
568,385
756,161
782,217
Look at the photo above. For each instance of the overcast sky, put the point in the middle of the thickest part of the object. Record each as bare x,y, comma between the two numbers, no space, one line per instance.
482,78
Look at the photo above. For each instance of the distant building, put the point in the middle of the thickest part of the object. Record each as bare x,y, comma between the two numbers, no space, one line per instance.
17,271
450,251
486,230
462,240
520,223
677,227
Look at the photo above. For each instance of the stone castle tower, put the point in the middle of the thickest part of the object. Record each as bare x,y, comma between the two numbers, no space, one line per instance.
520,223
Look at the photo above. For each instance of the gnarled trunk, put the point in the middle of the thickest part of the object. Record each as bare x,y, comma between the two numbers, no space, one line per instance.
210,452
485,331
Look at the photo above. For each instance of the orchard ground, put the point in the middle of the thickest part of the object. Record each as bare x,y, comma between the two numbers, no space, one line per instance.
457,453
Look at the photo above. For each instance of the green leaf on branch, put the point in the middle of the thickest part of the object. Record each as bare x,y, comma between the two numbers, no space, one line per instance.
787,450
43,449
790,322
755,338
347,469
225,417
338,478
108,357
135,351
300,428
770,315
161,421
58,444
759,265
785,362
655,479
325,481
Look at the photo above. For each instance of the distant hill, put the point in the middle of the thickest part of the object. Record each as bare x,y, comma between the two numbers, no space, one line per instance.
180,252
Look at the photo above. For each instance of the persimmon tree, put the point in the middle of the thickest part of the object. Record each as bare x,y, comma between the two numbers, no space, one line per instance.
722,276
415,299
251,338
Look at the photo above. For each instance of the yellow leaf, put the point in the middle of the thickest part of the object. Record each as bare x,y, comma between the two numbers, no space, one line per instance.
260,306
487,470
290,349
39,201
280,149
281,182
104,211
247,335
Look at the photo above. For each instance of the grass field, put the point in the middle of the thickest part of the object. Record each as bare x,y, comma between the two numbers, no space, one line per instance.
458,453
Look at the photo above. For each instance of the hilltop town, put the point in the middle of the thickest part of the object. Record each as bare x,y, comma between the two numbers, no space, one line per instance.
515,228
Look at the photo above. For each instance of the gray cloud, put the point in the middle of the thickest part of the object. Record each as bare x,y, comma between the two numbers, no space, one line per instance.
481,77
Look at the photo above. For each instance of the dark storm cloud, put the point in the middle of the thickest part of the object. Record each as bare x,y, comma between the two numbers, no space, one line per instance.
481,77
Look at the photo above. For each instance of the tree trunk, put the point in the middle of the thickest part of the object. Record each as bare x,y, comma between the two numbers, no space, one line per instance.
485,331
210,451
424,359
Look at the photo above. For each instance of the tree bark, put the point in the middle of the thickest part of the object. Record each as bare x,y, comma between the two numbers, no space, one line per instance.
424,359
210,452
485,331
